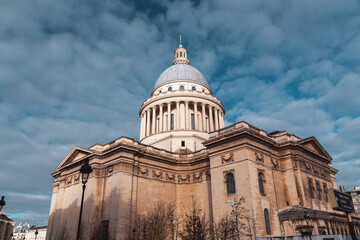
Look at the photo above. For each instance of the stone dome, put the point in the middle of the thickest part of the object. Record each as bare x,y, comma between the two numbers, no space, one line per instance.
181,71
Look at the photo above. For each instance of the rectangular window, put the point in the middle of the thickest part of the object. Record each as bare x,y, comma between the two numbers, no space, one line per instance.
311,189
183,143
158,124
325,193
192,121
172,122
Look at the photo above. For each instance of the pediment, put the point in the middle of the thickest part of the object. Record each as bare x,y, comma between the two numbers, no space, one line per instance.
75,154
313,145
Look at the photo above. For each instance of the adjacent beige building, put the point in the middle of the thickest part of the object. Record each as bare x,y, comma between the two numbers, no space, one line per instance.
186,153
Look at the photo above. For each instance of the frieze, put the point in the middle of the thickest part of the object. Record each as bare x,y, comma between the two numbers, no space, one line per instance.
229,158
170,177
197,177
157,175
183,179
259,156
69,180
208,175
109,170
77,177
144,172
275,163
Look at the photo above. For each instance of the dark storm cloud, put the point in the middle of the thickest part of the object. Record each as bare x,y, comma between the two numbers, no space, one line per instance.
76,73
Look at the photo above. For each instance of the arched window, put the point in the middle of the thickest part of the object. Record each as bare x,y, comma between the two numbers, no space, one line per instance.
182,87
261,182
267,221
169,88
318,189
311,189
193,88
180,54
230,183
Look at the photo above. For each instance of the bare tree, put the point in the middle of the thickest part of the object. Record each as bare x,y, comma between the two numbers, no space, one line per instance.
158,224
235,224
195,225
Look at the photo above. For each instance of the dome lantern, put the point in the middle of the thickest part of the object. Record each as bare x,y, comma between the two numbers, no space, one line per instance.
180,54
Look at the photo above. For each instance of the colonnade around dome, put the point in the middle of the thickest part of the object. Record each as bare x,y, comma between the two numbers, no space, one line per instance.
180,115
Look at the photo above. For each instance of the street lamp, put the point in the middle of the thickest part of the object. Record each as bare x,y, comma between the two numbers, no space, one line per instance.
85,171
307,219
2,202
36,233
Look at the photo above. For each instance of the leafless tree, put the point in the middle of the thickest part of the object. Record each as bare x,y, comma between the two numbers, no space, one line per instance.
195,226
158,224
234,224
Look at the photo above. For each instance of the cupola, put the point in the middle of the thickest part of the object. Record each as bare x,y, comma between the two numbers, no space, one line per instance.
180,54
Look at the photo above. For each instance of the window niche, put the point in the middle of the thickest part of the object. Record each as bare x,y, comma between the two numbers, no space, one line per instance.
318,190
267,221
229,181
311,188
261,180
182,87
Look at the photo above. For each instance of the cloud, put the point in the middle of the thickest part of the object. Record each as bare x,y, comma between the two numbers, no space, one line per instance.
76,73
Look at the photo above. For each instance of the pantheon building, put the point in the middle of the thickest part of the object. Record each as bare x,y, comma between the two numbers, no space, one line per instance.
186,154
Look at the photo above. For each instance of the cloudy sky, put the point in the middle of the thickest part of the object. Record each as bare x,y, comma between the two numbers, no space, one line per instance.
76,72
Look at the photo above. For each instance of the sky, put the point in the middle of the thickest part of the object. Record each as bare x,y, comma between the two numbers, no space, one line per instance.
76,73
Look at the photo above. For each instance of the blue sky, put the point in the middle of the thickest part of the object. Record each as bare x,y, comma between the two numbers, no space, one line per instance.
76,73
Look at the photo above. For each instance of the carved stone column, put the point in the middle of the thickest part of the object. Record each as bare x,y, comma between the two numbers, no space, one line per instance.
211,119
161,118
221,120
216,119
196,116
169,116
148,122
187,115
177,115
153,127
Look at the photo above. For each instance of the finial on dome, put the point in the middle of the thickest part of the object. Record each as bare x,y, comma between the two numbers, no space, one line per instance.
180,54
180,41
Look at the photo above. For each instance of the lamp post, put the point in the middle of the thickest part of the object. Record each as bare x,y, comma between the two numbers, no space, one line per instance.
85,172
2,202
36,233
307,219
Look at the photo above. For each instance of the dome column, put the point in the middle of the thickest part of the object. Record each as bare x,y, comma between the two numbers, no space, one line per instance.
196,116
142,126
203,117
216,119
211,119
148,122
177,115
153,120
221,120
187,115
160,118
169,116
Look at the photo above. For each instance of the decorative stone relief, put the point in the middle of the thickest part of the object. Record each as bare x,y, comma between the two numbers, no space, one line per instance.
108,170
315,170
183,179
275,163
308,167
259,156
170,177
208,175
77,177
157,175
229,158
198,177
69,180
144,172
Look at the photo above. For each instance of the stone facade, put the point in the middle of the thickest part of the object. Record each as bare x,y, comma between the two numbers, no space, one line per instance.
185,153
6,226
